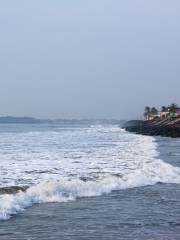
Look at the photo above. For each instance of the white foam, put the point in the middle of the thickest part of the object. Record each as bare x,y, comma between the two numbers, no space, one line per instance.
175,154
63,190
27,158
52,163
96,126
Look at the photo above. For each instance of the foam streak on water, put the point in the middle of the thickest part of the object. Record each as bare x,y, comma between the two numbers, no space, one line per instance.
64,164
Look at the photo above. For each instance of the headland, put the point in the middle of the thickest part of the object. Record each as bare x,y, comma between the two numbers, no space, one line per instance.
164,128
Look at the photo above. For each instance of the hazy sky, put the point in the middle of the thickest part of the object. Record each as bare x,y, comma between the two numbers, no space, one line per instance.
87,58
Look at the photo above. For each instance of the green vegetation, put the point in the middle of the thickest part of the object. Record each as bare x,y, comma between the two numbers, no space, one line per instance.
147,109
164,109
172,108
152,110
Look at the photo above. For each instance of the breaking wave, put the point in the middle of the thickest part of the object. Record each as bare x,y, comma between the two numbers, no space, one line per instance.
70,163
64,190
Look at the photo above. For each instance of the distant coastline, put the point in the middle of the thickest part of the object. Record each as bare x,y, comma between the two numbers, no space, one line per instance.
10,119
31,120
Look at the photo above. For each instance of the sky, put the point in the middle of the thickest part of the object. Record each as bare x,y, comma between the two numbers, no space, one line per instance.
88,59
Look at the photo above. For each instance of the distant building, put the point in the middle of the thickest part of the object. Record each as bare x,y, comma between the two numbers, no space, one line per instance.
148,116
165,115
178,111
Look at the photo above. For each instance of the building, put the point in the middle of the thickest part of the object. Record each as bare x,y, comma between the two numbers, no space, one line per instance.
165,115
149,116
178,111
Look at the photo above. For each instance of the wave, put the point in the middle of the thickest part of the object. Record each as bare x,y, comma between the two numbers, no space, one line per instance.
96,126
64,190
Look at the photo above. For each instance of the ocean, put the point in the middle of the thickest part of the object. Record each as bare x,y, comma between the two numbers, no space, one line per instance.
87,182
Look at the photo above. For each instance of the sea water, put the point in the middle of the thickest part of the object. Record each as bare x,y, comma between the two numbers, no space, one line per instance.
62,164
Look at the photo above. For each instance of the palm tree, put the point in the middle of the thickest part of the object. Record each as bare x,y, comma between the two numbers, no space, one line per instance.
154,111
147,109
173,107
163,109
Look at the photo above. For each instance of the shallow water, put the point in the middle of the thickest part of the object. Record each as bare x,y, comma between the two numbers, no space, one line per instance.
146,206
150,212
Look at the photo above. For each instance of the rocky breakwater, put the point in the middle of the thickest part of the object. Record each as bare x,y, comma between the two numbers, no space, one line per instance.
164,128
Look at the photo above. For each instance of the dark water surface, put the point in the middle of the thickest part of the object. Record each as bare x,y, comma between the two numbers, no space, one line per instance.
151,212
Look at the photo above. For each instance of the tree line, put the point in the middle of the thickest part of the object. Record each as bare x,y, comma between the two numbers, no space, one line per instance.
172,108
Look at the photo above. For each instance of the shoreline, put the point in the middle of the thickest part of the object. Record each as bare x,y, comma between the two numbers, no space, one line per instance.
163,128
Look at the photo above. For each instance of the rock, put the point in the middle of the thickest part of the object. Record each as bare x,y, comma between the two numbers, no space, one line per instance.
154,128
